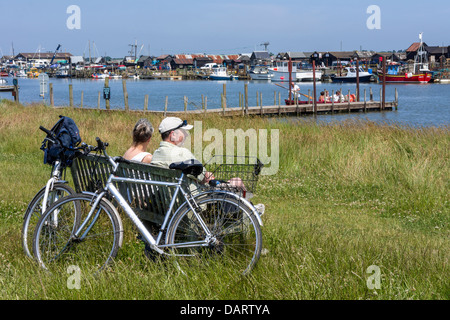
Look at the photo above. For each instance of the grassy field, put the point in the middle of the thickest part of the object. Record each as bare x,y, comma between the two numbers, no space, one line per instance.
347,196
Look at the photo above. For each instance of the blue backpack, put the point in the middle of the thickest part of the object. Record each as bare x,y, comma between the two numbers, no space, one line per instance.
59,146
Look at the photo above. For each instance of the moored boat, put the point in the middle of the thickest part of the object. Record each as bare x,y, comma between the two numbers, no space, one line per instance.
419,73
280,72
220,73
351,76
260,73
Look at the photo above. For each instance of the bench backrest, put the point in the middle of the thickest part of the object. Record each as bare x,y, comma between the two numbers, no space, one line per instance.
149,202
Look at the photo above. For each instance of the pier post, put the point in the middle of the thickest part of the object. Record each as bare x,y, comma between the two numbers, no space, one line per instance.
314,84
165,106
107,104
125,94
206,103
223,104
357,79
371,94
396,99
70,95
246,98
365,101
384,84
381,98
348,100
52,101
261,103
279,103
332,101
146,102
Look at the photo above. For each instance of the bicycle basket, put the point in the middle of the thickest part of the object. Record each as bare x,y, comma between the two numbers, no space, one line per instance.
238,174
58,147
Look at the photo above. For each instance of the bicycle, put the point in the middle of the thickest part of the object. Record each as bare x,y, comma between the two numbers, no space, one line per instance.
85,229
55,189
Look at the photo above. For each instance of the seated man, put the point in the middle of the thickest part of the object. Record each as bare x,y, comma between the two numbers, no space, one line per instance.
173,134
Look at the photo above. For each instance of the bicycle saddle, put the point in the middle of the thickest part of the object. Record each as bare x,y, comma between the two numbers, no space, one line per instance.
192,167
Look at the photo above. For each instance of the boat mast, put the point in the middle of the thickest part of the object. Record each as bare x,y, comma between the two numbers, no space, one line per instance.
421,59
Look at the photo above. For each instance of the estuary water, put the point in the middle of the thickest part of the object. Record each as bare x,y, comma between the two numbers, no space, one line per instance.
419,105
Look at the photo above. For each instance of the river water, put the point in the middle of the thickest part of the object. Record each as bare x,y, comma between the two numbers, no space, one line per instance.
419,105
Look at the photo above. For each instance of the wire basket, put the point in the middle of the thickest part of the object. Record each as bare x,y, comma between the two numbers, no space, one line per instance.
238,174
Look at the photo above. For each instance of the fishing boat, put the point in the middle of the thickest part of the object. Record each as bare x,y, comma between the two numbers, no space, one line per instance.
220,73
352,76
3,74
260,73
280,72
62,73
418,74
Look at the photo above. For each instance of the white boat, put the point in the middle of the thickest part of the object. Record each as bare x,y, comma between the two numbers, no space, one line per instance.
260,73
280,72
21,74
3,81
62,73
351,76
220,73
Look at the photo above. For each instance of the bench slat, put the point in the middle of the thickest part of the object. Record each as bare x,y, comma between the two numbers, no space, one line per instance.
149,202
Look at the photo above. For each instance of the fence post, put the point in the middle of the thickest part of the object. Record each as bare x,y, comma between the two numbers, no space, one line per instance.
52,101
165,106
98,100
246,98
348,100
125,94
82,96
332,101
146,102
107,103
71,95
365,101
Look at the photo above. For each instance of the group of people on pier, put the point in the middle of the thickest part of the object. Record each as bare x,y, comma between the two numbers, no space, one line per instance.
325,96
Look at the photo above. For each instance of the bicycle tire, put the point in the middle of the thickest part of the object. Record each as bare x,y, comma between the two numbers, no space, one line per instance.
236,232
33,212
91,253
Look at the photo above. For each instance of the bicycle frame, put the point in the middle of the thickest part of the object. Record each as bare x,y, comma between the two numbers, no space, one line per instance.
154,243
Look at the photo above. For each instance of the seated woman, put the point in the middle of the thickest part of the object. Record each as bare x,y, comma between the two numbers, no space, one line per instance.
322,97
142,134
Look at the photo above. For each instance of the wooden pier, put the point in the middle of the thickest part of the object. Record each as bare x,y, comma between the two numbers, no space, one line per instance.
14,89
293,110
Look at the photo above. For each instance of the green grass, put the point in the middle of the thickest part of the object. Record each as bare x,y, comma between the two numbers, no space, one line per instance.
348,195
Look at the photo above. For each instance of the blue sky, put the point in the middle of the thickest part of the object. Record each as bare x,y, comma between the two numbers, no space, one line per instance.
220,27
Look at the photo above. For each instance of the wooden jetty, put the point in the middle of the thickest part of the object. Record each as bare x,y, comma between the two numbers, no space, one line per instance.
13,89
293,110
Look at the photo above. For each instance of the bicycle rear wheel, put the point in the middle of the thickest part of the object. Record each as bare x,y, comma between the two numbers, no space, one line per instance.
55,245
235,239
34,212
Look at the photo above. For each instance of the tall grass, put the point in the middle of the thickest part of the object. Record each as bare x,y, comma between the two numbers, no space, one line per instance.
348,195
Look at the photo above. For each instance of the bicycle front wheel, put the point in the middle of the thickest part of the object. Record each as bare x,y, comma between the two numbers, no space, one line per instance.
235,238
56,245
34,212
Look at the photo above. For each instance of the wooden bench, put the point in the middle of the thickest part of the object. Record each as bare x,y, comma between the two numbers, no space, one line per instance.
149,202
